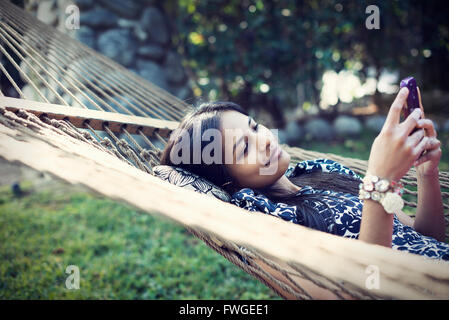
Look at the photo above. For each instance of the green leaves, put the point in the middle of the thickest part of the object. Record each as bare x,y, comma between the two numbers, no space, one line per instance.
298,41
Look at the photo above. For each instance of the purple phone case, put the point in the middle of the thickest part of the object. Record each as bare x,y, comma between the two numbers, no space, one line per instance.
412,99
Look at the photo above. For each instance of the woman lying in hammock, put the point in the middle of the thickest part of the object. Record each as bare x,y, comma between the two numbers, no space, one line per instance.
323,194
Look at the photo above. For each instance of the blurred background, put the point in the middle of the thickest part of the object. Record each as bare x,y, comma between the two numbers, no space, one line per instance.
312,69
316,70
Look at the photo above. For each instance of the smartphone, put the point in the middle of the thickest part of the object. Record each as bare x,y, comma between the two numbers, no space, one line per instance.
413,95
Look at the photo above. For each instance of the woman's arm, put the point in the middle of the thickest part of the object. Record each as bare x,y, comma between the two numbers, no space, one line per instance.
392,155
377,225
430,212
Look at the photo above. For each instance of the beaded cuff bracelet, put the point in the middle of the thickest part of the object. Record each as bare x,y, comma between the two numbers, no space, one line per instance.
388,193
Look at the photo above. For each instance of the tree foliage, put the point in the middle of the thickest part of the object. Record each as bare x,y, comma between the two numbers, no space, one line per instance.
256,52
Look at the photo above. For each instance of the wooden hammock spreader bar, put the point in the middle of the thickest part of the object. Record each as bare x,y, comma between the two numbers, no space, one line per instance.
96,119
340,262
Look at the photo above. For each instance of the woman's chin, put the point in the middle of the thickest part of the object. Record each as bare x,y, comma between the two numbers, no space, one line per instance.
282,163
284,159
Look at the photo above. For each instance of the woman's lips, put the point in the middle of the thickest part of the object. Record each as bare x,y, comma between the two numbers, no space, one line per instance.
275,154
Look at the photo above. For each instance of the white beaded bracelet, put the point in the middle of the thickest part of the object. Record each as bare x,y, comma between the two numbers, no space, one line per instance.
387,193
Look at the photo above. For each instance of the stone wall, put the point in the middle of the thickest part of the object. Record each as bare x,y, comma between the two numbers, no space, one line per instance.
136,34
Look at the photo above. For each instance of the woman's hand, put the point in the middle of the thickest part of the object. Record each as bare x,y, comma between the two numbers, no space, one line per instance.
429,219
393,153
427,164
395,149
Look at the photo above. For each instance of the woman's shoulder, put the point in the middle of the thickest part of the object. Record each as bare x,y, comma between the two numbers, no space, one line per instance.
321,164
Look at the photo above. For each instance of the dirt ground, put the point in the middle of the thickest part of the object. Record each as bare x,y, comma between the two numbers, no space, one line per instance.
11,173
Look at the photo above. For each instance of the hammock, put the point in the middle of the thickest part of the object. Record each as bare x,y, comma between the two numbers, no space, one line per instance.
112,151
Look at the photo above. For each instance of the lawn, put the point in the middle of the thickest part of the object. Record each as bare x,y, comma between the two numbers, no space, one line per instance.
121,253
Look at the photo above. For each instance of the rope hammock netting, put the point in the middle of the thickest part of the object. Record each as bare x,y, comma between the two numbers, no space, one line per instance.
92,122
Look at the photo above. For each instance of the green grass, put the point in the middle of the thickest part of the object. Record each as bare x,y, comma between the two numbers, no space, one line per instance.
121,253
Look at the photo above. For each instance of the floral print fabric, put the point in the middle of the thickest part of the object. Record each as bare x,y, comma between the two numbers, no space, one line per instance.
346,210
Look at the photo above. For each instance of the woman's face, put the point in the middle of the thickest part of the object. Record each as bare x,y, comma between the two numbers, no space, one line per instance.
252,154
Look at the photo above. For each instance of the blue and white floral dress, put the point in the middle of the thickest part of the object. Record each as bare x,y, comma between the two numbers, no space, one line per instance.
345,208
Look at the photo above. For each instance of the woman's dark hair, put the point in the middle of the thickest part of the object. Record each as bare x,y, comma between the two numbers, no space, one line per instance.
208,115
